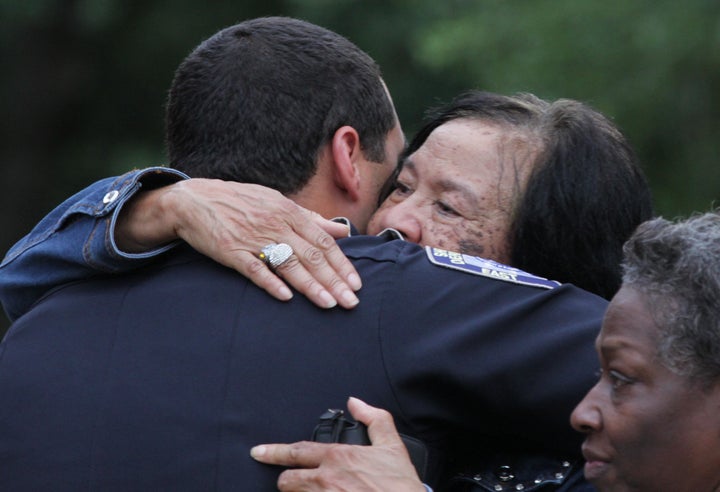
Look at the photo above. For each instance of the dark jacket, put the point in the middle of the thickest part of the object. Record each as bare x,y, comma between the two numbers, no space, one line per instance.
165,378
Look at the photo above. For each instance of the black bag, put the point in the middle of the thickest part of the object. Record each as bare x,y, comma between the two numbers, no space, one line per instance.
334,426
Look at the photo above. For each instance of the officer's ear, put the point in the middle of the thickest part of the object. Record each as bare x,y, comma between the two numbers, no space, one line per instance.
346,153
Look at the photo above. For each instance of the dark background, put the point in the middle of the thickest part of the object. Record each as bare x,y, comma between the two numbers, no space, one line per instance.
84,82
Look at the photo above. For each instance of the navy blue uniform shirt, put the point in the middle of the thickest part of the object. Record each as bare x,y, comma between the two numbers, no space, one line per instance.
163,379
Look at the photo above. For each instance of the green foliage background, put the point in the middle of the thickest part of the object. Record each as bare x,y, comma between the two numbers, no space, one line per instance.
84,81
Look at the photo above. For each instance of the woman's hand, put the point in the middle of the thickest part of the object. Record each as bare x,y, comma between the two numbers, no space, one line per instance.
231,222
383,466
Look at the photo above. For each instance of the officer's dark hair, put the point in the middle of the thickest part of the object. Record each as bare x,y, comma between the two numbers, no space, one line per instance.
585,193
256,101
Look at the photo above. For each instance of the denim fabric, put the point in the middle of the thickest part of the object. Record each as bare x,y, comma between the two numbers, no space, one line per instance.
76,240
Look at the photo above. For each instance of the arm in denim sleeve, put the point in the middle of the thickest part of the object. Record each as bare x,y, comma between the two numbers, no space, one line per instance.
76,240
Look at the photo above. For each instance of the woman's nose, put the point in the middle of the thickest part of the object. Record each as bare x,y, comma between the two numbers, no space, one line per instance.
403,217
587,417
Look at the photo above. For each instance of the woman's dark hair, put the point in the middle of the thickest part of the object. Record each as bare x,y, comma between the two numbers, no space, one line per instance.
584,197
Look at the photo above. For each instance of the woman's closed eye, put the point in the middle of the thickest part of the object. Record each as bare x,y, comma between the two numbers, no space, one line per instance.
446,209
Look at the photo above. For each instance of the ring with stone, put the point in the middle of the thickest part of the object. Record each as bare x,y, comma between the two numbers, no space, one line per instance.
275,254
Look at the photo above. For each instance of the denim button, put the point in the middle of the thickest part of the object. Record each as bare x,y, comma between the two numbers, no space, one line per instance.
111,196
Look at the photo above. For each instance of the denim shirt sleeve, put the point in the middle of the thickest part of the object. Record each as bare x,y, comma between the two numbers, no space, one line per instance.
76,240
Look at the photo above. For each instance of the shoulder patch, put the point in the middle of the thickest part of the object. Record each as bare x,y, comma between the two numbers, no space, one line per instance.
486,268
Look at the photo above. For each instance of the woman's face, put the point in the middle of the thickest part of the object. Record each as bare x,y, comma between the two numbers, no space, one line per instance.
648,429
457,191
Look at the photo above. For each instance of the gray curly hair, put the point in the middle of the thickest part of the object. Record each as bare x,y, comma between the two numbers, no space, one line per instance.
676,266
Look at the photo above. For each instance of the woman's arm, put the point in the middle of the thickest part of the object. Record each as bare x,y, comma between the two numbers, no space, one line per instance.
231,222
119,224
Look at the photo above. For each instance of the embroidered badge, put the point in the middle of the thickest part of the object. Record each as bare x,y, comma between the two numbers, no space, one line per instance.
486,268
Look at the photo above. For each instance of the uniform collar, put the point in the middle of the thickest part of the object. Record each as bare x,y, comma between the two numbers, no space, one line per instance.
388,233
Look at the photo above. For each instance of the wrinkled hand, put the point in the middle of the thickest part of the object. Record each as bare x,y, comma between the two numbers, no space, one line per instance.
231,222
383,466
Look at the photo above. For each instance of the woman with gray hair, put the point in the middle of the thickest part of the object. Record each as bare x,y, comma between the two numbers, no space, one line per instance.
653,419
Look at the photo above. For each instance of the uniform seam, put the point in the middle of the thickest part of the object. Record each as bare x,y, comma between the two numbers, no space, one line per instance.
103,400
221,431
394,282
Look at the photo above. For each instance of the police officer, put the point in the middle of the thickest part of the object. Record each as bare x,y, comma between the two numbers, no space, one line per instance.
165,378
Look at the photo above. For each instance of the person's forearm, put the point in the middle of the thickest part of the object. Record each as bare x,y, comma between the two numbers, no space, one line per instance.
145,222
112,227
231,223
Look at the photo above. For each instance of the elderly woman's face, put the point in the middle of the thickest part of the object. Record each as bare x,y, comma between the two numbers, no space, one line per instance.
457,190
647,428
